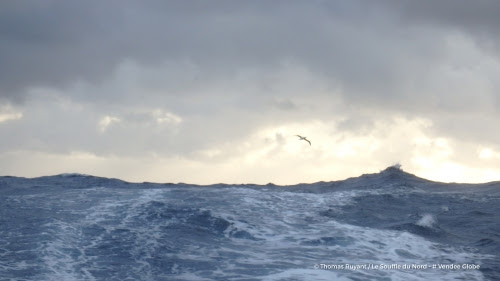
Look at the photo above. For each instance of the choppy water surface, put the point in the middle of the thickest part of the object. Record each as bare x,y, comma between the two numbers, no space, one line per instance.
386,226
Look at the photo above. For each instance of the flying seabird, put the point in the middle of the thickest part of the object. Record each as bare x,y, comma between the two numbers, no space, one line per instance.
304,138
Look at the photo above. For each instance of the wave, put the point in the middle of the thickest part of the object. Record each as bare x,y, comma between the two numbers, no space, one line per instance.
80,227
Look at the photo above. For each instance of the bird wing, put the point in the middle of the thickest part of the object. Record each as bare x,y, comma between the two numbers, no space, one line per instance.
308,141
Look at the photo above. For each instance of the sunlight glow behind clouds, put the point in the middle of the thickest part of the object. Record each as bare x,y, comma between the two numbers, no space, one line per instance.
10,116
276,155
487,153
106,122
8,113
166,117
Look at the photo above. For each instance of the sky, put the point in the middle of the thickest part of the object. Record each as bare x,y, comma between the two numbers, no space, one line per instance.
216,91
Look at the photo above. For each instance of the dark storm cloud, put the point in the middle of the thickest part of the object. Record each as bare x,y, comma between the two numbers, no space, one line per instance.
478,17
479,20
374,51
54,43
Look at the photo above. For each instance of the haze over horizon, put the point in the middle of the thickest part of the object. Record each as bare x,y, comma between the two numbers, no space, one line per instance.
216,91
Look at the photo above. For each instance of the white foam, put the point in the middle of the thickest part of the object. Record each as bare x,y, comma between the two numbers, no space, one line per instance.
427,220
286,221
108,214
397,166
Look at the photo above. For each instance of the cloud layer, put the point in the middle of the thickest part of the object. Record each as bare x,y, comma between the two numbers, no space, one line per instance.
223,87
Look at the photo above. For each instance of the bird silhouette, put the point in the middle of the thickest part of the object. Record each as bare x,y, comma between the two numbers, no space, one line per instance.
304,138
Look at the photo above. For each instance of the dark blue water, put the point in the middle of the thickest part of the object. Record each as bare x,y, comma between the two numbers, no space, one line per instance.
385,226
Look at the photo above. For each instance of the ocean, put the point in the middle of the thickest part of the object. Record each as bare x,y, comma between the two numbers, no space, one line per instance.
390,225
